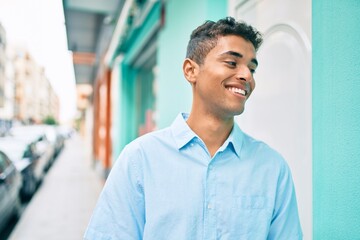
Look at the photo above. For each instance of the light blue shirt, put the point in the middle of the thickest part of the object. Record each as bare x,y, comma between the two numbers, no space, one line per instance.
166,186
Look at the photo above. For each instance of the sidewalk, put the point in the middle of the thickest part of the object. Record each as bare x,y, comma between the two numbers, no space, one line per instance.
62,206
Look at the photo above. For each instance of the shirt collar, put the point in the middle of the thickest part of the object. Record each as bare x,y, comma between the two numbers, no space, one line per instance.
183,134
235,140
181,131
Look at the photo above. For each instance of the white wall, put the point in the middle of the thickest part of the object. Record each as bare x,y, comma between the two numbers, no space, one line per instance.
279,111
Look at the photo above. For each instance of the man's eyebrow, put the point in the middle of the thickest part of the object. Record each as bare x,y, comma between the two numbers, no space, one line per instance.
239,55
232,53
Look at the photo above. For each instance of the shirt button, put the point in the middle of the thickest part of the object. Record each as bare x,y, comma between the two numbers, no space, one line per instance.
191,144
209,206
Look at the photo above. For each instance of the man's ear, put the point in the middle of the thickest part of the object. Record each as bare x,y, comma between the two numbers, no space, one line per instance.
190,69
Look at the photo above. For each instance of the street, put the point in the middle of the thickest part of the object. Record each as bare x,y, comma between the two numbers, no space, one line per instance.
63,204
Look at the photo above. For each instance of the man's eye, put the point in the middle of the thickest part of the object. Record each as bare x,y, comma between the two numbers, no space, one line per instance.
231,63
252,71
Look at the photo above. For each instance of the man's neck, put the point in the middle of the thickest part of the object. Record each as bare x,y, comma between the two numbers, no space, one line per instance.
212,130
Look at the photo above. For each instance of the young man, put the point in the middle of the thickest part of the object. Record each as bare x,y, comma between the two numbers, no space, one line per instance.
202,177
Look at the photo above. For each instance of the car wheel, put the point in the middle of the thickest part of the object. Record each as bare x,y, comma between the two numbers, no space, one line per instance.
17,209
30,187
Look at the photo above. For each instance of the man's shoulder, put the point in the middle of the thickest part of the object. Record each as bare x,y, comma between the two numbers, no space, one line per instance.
151,139
262,149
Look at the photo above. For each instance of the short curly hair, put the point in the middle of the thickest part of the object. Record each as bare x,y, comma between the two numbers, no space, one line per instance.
205,37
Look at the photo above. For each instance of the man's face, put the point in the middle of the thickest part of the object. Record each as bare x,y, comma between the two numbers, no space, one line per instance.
225,79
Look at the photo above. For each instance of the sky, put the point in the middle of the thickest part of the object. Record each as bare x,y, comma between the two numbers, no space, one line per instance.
40,26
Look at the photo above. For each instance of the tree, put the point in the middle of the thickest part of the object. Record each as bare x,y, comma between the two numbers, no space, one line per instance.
49,120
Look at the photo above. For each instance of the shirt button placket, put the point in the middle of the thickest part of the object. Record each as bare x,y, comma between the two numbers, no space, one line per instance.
210,194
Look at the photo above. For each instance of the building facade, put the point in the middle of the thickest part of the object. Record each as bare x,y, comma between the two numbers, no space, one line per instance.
305,104
35,98
2,65
6,85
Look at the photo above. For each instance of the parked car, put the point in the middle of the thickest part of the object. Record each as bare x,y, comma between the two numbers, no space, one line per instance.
43,147
23,156
66,131
55,138
10,184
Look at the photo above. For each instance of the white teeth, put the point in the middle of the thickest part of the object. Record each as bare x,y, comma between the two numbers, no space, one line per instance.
237,90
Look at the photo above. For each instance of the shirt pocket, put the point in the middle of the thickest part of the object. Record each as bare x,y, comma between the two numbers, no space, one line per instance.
245,215
249,202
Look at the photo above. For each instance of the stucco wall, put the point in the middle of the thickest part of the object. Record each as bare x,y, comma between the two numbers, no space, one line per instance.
336,119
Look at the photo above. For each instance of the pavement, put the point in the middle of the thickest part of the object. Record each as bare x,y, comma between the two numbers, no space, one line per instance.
62,206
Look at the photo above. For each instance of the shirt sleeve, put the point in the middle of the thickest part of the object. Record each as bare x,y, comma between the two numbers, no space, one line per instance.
119,212
285,222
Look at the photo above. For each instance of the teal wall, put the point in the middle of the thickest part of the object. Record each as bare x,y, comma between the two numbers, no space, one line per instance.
128,106
127,112
116,102
174,93
336,119
145,97
124,112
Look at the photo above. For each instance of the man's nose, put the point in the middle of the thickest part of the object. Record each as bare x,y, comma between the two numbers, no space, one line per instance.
244,73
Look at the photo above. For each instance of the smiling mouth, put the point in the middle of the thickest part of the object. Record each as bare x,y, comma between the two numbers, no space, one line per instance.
237,91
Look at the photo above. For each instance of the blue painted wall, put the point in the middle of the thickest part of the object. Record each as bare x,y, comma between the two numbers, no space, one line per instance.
336,119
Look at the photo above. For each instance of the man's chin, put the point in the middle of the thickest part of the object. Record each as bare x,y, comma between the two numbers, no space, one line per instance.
238,112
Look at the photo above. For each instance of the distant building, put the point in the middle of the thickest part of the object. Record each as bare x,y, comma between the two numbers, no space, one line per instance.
46,100
6,85
83,91
35,98
54,104
2,64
